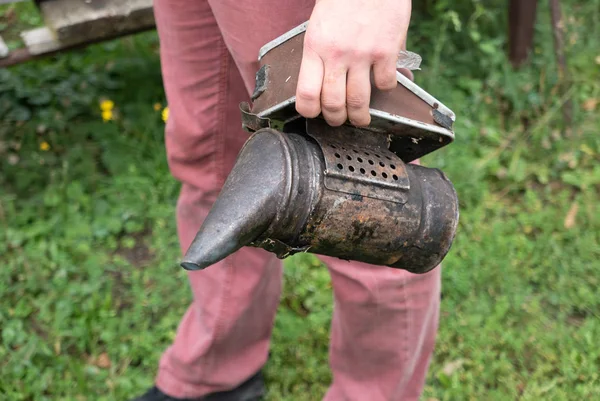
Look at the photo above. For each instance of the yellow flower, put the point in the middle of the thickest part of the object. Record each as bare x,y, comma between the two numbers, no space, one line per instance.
157,106
165,114
44,146
107,105
107,115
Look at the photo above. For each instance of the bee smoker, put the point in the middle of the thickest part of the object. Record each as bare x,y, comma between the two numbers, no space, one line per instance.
300,185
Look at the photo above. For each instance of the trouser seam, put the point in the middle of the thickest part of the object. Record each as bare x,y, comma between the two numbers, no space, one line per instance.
221,134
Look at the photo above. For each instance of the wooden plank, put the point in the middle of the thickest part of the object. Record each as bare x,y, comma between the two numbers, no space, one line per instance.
79,21
23,55
10,1
40,41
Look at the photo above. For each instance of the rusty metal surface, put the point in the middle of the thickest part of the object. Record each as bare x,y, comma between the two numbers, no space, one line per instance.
364,229
413,235
276,198
439,220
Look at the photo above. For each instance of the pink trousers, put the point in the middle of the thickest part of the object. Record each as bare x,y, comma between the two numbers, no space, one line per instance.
385,320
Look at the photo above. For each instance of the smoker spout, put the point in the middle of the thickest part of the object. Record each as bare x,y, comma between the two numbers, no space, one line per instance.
254,192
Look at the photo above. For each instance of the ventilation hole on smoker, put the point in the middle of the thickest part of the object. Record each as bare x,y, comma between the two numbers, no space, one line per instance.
367,153
337,155
343,148
384,175
377,156
340,166
333,146
389,158
349,157
362,171
359,159
351,168
382,164
371,162
395,177
373,173
393,167
355,151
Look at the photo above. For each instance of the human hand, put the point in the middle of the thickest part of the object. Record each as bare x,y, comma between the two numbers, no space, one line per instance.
345,41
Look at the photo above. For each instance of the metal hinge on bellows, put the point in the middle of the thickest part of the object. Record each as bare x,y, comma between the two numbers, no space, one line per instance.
250,121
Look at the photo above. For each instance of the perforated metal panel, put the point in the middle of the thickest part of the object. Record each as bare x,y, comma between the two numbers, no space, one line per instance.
369,171
379,167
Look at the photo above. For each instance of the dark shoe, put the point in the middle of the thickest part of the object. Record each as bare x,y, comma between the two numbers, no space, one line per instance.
251,390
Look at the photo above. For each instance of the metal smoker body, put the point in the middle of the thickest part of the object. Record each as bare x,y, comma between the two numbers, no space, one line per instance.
302,186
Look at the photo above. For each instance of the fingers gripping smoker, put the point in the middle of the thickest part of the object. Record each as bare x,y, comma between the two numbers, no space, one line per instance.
299,185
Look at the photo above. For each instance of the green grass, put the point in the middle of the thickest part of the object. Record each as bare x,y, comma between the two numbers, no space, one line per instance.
90,290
